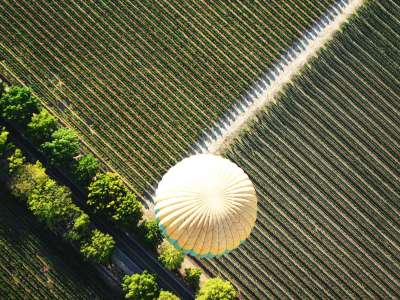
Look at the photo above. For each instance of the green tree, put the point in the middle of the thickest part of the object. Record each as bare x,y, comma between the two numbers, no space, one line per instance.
109,195
128,213
42,126
193,276
62,148
26,178
84,169
18,105
141,286
171,257
216,289
106,192
149,235
99,247
165,295
4,146
3,87
50,203
80,229
16,161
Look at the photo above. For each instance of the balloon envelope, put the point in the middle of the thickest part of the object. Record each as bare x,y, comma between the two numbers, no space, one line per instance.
206,206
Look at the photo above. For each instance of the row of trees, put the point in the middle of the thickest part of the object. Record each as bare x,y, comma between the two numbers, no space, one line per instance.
143,286
52,204
107,194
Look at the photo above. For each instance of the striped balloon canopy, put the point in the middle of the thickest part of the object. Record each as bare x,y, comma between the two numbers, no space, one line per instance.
206,206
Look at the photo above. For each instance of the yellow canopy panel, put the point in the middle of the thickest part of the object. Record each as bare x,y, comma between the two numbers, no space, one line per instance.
206,206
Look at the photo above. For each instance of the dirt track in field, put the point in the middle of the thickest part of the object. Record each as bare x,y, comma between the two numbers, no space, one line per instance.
266,88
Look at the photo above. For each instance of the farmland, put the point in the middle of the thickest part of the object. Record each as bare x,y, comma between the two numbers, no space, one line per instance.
140,81
35,264
325,164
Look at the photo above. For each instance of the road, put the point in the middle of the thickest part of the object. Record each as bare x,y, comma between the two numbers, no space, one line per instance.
135,256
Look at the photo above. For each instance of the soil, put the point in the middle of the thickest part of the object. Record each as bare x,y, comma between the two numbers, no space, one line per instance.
263,92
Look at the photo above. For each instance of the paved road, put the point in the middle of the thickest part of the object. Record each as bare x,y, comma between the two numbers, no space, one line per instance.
134,254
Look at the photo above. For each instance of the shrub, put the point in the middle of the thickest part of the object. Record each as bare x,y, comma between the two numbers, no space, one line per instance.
141,286
170,257
193,276
99,248
216,289
149,235
164,295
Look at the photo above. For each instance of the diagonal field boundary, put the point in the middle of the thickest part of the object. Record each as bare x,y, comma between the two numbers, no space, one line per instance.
263,91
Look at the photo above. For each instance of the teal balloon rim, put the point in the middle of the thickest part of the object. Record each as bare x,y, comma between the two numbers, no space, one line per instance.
191,252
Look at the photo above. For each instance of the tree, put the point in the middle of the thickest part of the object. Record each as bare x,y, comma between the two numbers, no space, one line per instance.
216,289
26,178
4,146
18,105
3,87
50,203
80,230
141,286
149,235
128,213
84,169
165,295
193,276
106,192
62,148
170,257
99,248
16,161
42,126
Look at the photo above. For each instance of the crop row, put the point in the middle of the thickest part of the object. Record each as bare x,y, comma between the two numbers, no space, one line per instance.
32,260
147,77
325,164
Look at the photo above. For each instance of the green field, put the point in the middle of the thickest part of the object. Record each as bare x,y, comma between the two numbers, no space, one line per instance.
325,162
36,264
147,77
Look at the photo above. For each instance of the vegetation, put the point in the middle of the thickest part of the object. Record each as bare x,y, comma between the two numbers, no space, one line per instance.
148,77
62,148
193,276
170,257
128,213
4,146
18,105
165,295
26,178
3,87
80,229
36,264
109,195
16,161
99,248
141,286
324,162
216,289
84,169
42,127
149,235
50,203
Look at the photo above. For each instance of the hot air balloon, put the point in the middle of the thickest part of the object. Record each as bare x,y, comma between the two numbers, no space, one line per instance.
206,206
